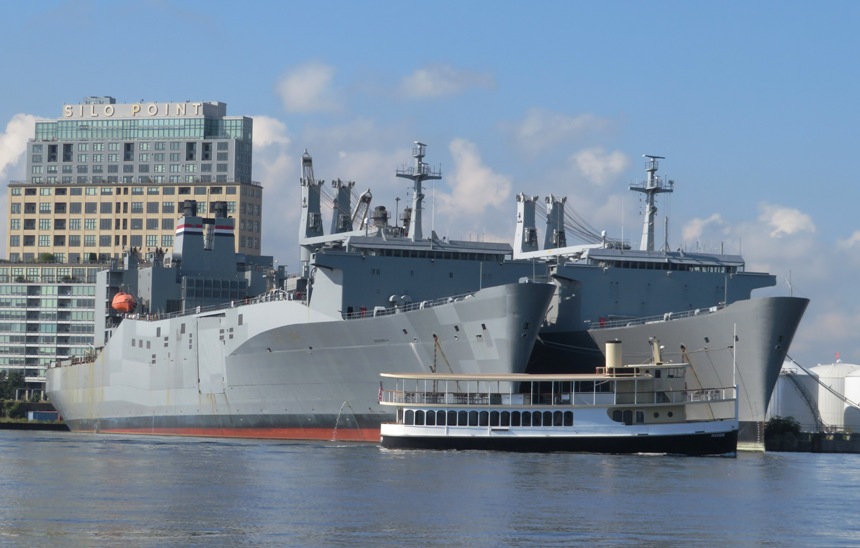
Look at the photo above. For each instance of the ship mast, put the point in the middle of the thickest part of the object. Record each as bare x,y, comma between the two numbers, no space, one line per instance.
651,187
418,173
311,216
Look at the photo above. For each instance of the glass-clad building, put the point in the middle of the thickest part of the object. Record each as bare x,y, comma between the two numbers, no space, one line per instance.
106,177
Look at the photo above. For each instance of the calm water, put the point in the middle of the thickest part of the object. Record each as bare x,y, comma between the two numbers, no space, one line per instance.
84,490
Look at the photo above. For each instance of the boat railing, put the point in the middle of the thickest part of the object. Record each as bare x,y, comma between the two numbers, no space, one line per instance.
668,316
275,295
406,307
557,399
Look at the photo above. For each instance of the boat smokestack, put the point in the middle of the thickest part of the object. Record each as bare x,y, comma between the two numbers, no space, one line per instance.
613,354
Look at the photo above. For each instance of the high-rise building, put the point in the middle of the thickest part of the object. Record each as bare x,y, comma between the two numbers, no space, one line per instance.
101,179
107,177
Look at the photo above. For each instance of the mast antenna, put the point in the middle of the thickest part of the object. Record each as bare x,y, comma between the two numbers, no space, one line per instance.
651,187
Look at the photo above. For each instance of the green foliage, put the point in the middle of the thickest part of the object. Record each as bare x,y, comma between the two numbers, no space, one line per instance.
9,381
13,409
781,425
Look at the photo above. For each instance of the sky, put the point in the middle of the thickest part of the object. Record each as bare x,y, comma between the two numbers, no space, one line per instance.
754,106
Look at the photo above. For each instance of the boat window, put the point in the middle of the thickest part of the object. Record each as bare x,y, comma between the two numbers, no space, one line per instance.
515,418
473,418
536,418
440,418
494,418
506,418
640,417
410,417
431,418
527,418
462,419
628,417
547,418
616,415
452,418
419,418
484,418
568,418
557,418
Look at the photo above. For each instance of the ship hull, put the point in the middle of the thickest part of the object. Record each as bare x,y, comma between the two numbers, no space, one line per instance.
721,441
744,343
277,369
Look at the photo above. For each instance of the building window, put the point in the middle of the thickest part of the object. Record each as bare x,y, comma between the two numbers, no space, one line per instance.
89,240
104,240
167,241
104,224
74,240
167,207
106,207
136,240
137,224
152,207
137,207
44,224
128,152
166,224
44,207
91,207
89,224
152,224
151,240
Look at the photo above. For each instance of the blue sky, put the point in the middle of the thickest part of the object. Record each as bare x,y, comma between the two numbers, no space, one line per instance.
753,104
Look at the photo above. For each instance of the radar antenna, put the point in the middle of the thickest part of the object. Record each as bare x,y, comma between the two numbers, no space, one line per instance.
651,187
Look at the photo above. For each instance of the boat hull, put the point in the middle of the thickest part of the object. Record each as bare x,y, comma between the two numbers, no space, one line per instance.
744,343
706,439
277,369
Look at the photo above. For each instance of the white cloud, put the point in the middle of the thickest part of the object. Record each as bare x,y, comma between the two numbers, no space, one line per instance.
269,131
599,166
785,221
442,80
695,229
850,242
13,144
542,129
308,89
474,186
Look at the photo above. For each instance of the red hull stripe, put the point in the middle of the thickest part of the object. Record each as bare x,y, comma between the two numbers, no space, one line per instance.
370,435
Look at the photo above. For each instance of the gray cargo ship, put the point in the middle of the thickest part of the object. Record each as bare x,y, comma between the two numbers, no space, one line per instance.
202,351
367,267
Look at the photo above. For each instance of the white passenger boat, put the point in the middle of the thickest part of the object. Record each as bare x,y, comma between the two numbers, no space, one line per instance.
618,409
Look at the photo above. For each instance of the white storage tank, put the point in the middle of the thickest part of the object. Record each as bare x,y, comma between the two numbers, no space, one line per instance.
832,408
787,400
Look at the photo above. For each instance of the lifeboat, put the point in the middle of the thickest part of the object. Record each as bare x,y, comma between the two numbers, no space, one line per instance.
123,302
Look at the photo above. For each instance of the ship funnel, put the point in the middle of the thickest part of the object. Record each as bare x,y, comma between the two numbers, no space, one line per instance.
190,208
613,354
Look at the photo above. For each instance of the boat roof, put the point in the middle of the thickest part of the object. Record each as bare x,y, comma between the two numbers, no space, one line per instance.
430,244
528,377
677,257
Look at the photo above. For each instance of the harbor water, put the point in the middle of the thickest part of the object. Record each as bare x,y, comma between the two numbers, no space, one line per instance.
62,489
